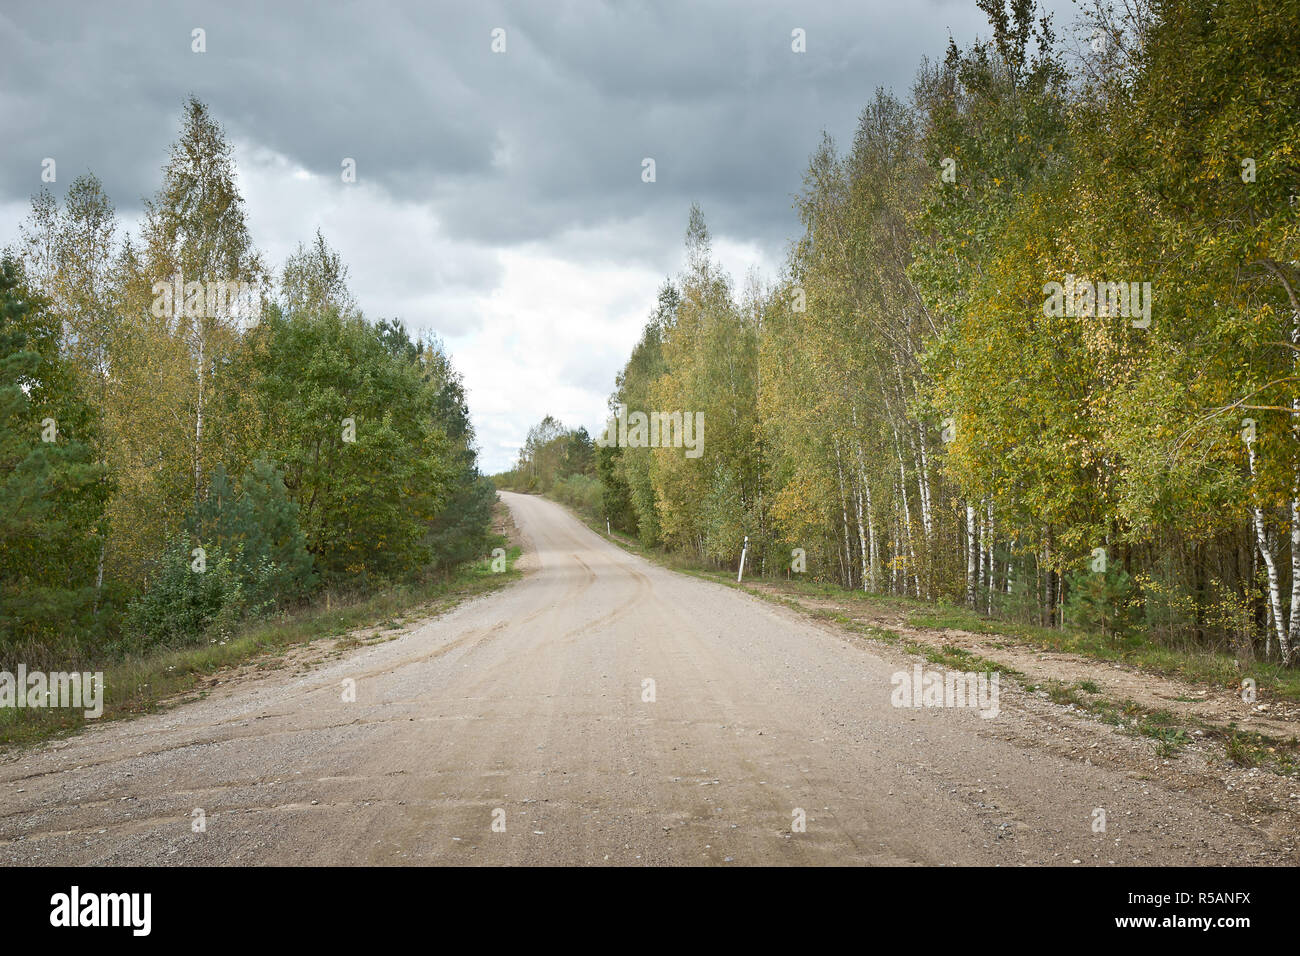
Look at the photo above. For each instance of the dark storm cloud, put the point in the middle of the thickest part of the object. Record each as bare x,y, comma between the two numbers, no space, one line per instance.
500,201
544,139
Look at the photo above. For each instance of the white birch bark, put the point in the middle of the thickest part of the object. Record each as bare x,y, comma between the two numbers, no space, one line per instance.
870,553
198,420
897,550
993,569
844,512
872,544
907,516
862,540
862,537
1293,626
923,485
1287,636
972,544
1270,565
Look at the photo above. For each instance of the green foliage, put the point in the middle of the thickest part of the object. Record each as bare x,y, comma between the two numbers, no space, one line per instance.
462,529
634,384
183,606
583,493
903,407
52,493
1101,600
257,525
616,496
550,452
352,425
158,409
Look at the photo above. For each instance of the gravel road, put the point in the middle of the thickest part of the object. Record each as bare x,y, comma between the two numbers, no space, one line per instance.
517,729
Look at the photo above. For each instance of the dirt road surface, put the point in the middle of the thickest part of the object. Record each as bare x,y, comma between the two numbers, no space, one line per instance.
529,708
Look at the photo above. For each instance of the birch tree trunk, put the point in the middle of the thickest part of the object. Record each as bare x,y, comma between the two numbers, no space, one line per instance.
198,421
862,477
862,540
923,486
1049,580
993,570
971,545
1293,626
872,544
1270,565
907,521
897,550
844,512
1287,636
870,553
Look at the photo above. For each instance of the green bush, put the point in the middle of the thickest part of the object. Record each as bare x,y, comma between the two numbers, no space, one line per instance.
462,530
183,605
52,492
1101,600
367,493
257,526
583,493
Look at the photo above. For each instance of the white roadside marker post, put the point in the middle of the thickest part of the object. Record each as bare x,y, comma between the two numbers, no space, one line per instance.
744,549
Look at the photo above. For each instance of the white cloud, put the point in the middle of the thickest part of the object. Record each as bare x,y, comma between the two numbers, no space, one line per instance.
554,334
535,328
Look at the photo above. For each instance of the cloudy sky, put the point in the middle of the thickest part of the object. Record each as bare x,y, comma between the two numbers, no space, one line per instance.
499,199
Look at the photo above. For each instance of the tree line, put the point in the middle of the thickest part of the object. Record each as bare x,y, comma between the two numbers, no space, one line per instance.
557,461
188,438
1035,350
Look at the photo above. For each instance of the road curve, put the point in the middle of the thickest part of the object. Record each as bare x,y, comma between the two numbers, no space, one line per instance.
527,709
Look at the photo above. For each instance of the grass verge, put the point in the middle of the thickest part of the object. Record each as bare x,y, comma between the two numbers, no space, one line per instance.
145,684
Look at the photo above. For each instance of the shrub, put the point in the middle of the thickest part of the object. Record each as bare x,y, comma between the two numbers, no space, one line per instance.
181,605
1101,600
582,493
257,527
